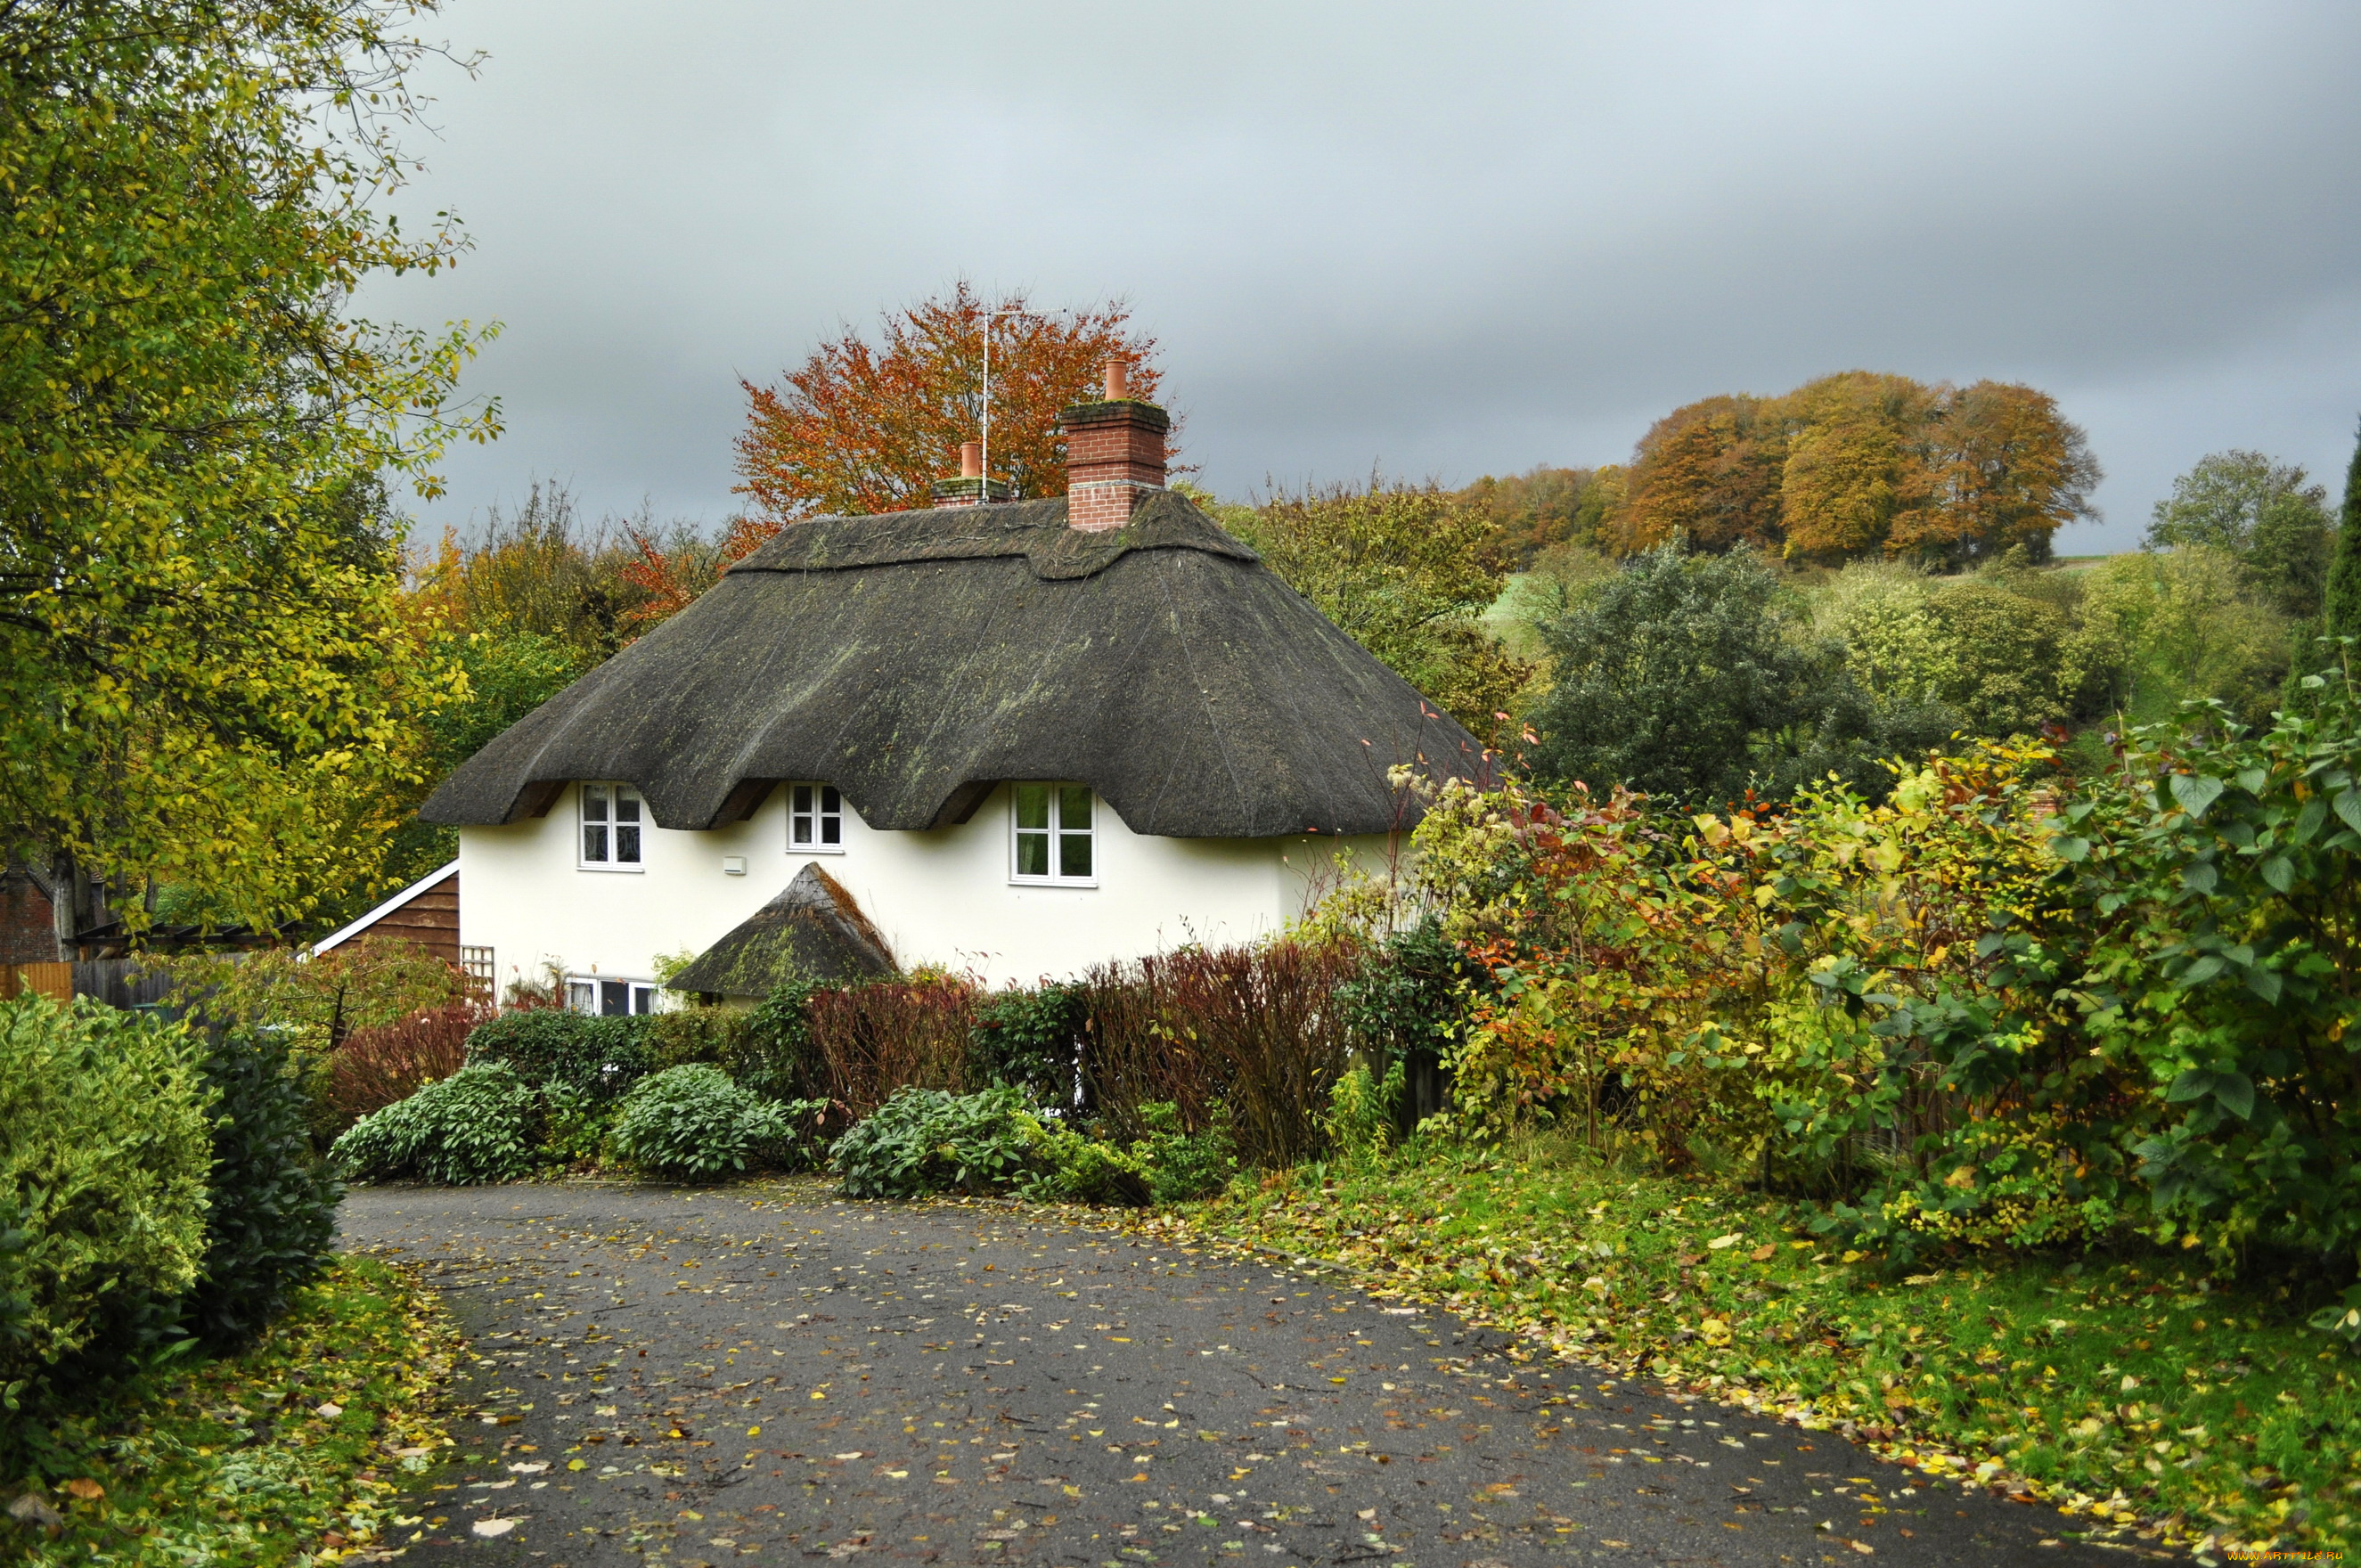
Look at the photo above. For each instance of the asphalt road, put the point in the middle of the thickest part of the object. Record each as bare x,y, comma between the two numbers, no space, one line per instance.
771,1373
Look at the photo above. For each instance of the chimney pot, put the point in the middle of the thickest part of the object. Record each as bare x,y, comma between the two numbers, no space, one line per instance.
1118,380
970,459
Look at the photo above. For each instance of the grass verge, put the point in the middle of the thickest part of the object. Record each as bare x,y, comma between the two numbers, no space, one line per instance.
2135,1392
280,1454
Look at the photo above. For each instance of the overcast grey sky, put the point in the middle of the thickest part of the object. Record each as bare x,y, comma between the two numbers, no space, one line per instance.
1452,239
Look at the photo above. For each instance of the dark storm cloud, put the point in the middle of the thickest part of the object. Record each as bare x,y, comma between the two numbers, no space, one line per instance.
1457,240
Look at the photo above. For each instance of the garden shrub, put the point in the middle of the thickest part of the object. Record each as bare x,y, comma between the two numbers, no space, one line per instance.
386,1062
927,1140
271,1202
482,1124
602,1056
1406,1001
776,1057
1362,1111
1030,1040
1254,1035
692,1123
873,1040
1181,1164
1075,1167
713,1036
104,1157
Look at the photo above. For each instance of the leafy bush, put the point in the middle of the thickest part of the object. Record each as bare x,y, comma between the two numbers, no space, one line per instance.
777,1058
1081,1170
482,1124
272,1203
601,1057
104,1157
714,1036
1181,1164
692,1123
1030,1040
926,1140
1362,1111
386,1062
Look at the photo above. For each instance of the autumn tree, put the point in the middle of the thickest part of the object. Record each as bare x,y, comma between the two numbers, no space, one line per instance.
860,428
205,678
1856,465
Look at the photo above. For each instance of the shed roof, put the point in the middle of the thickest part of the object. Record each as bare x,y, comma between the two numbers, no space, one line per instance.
914,660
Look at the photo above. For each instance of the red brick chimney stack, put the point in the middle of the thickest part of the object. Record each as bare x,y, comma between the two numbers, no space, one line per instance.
970,487
1115,453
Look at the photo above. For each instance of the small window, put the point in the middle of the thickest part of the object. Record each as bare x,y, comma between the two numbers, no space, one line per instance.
610,826
815,818
603,998
1054,834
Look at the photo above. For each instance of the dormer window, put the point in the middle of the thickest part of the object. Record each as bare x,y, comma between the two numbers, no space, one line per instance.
814,819
610,828
1056,840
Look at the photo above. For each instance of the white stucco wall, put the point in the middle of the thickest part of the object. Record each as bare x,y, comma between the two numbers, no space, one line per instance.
940,898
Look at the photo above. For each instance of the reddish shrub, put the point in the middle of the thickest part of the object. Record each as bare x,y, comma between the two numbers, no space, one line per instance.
874,1039
374,1068
1253,1033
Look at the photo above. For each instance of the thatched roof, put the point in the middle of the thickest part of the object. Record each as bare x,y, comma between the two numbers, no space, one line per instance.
915,660
812,929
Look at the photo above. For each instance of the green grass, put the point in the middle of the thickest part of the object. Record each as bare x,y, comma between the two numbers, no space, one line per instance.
234,1461
2134,1391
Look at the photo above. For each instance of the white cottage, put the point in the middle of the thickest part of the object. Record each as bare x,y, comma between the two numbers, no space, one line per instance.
1013,738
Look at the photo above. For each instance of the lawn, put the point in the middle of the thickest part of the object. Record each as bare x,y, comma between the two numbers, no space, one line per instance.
286,1454
2133,1390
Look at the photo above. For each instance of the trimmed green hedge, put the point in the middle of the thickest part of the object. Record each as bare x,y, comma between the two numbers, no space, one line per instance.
598,1057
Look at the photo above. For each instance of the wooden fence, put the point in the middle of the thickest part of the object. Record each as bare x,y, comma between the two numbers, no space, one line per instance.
118,982
55,981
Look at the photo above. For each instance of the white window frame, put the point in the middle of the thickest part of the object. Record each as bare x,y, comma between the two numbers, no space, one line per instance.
1056,832
585,994
814,798
612,796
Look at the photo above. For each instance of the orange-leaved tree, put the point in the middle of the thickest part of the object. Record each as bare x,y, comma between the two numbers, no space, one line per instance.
862,428
1859,465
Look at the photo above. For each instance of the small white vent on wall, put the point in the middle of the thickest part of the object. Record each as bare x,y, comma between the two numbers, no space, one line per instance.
733,865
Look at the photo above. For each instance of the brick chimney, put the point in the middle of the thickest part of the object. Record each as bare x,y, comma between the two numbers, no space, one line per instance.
1115,453
970,487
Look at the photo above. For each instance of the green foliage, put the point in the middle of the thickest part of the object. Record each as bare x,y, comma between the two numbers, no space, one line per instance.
2159,630
104,1158
208,679
271,1204
928,1140
1691,677
1030,1040
1408,995
601,1057
778,1057
2259,513
1362,1110
692,1123
1181,1164
1404,571
2342,598
482,1124
1077,1168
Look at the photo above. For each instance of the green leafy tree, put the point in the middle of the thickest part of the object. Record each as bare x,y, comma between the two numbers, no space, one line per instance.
2343,592
205,678
1404,570
1691,677
2259,512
